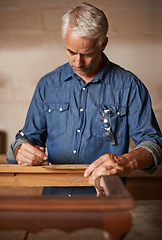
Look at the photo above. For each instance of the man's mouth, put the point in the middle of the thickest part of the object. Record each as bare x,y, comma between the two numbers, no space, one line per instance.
78,69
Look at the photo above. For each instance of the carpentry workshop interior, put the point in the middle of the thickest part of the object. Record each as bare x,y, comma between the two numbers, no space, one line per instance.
32,45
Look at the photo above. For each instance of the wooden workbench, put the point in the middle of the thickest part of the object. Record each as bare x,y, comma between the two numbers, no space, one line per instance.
147,225
142,186
110,213
37,176
146,217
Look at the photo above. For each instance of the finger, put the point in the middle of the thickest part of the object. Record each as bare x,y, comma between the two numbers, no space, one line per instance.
41,148
28,159
21,156
94,165
102,171
26,156
98,187
23,160
100,192
35,150
109,159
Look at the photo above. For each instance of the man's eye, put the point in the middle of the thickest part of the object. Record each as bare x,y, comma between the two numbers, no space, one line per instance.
88,54
71,53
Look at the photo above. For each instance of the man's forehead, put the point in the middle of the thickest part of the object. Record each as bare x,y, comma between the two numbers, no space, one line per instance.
79,44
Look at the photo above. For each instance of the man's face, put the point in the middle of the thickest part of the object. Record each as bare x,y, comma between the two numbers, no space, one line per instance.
84,54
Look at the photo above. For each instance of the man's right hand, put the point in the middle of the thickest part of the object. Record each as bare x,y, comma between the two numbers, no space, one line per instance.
28,155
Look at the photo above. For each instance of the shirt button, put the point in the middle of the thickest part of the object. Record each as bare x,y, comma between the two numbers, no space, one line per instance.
78,130
105,121
60,109
81,110
83,89
118,113
74,151
106,111
49,110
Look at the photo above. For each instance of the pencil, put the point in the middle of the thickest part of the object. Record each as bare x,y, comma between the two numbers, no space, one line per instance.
25,137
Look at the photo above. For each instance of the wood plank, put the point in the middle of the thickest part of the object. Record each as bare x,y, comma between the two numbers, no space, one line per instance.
3,159
113,187
33,214
116,223
113,199
44,179
65,203
58,168
12,191
38,176
81,167
68,167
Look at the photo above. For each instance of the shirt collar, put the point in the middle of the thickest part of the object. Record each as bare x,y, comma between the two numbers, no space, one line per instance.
69,73
104,69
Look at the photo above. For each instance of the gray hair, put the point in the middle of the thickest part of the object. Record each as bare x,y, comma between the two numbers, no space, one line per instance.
87,21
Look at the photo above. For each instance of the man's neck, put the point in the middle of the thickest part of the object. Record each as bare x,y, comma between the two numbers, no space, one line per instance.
87,78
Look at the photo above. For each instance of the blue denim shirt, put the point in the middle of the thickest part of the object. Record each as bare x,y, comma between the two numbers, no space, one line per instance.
67,116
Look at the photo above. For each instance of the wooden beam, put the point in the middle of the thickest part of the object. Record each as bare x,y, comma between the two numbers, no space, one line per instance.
110,213
37,176
57,168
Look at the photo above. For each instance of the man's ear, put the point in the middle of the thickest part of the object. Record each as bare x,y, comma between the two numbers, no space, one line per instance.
104,44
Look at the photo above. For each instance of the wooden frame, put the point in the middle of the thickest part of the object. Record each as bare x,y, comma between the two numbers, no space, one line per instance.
37,176
110,212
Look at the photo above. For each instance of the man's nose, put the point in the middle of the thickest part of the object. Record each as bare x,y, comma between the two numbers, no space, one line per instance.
78,60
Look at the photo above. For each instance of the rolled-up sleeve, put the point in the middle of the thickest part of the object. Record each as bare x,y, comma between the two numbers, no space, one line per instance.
10,157
143,126
156,152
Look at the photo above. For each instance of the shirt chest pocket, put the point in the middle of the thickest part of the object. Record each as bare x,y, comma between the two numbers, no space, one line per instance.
57,116
110,121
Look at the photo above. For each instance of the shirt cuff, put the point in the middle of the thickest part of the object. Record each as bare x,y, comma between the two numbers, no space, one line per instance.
10,157
156,152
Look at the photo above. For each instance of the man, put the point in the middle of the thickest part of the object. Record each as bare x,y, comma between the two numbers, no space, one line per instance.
84,111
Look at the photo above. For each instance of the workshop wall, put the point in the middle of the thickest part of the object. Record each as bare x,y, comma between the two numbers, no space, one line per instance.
31,46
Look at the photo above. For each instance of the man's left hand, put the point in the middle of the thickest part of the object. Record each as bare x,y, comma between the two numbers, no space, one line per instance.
109,164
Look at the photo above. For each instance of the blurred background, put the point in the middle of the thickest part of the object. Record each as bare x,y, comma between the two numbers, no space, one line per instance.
31,46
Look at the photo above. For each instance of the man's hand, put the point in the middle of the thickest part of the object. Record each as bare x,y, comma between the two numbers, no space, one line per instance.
109,164
28,155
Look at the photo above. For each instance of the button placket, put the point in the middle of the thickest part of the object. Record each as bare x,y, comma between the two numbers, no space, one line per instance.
81,123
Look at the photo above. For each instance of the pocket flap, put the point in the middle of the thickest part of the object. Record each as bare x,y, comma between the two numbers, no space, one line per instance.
118,110
59,106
